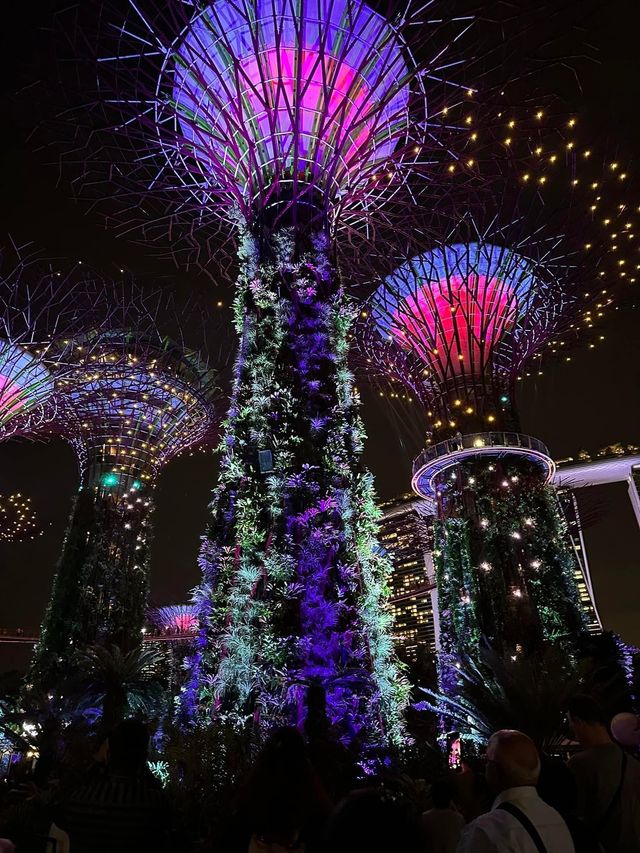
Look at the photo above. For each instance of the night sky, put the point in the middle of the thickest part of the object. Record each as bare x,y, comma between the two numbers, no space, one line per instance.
592,402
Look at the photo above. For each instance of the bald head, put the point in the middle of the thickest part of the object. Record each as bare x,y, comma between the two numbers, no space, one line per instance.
513,760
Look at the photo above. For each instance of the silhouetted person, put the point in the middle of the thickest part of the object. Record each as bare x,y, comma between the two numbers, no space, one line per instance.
332,761
283,805
126,811
519,820
558,789
443,823
375,820
607,779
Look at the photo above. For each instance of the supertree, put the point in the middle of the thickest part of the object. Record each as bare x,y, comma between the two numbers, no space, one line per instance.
458,325
174,619
140,399
289,123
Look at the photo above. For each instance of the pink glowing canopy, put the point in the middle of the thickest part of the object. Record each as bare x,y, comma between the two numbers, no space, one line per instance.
266,89
175,619
453,307
24,382
11,395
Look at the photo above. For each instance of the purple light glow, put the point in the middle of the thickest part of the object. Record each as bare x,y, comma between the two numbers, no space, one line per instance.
175,619
272,90
10,394
447,317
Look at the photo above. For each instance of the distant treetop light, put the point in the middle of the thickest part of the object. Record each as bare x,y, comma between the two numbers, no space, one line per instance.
293,91
24,381
454,306
175,619
40,309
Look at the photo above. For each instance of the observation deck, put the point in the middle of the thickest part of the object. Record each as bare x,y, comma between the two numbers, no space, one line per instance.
440,457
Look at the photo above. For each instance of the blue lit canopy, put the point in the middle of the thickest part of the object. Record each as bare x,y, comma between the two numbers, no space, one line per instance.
25,383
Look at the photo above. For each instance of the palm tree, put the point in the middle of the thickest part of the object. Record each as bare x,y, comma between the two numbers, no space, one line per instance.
529,693
495,692
117,681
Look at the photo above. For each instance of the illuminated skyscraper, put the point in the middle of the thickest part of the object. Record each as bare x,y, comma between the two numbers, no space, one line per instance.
569,506
406,533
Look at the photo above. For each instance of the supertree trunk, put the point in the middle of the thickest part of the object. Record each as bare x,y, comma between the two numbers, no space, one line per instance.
293,591
101,585
504,568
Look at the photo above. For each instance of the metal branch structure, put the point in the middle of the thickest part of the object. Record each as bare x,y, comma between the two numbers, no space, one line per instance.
41,307
458,325
139,399
287,104
467,316
324,114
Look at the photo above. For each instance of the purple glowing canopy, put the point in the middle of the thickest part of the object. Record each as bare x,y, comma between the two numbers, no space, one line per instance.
311,90
24,383
454,306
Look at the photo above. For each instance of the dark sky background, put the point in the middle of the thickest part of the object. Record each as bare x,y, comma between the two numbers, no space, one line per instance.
590,403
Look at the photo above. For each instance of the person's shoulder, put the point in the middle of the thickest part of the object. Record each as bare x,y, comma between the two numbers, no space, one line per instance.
484,822
456,817
88,790
439,815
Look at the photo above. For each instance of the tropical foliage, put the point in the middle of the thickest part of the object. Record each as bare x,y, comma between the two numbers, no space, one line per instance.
119,683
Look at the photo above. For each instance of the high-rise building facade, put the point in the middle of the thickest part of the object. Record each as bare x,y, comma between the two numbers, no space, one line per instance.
407,536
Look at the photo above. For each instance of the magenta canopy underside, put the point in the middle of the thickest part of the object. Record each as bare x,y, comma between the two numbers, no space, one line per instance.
266,89
454,307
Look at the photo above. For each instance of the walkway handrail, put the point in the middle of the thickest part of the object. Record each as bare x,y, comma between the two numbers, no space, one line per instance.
478,440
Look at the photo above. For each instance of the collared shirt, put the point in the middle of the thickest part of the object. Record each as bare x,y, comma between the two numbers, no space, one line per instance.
500,832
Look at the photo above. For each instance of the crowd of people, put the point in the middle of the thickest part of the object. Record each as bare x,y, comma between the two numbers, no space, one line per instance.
513,800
